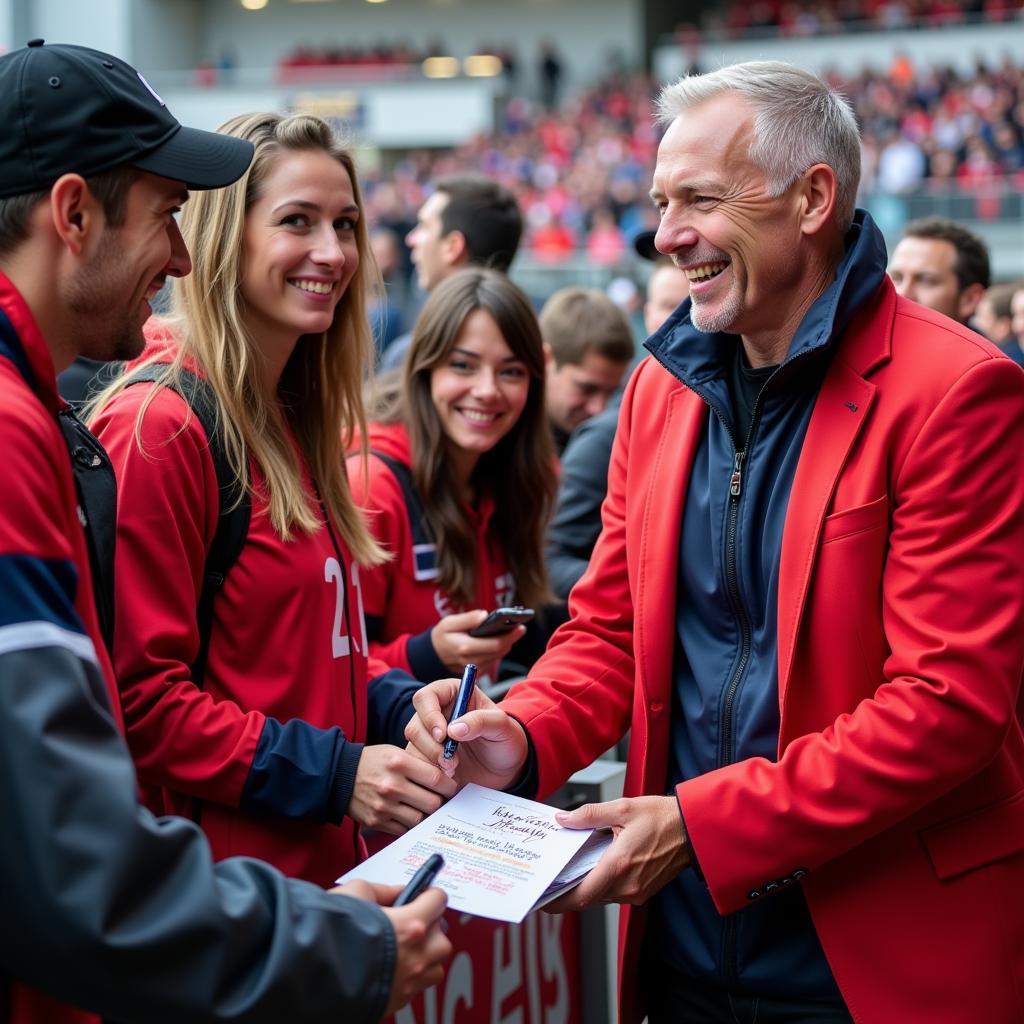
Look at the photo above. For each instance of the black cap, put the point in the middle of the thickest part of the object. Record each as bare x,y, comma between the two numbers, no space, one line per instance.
71,109
644,245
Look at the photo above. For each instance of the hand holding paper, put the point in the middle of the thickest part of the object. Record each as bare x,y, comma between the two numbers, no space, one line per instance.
395,790
504,856
650,848
492,746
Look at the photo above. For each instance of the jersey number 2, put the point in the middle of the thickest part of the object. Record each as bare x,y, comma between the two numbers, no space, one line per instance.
341,646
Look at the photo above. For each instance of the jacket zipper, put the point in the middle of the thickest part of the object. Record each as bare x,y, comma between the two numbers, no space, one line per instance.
726,731
726,736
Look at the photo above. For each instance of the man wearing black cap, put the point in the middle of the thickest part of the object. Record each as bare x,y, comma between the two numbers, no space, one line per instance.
105,906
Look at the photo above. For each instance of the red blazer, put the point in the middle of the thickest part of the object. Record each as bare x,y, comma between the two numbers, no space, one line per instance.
899,786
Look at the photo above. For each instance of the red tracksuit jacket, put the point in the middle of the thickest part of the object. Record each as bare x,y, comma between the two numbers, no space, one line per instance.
899,785
280,645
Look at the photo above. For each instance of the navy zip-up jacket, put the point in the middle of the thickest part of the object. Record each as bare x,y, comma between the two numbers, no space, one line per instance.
725,702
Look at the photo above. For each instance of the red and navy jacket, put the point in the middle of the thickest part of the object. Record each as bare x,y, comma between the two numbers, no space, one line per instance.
268,749
402,600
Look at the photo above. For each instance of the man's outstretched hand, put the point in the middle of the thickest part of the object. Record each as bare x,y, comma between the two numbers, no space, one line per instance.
650,848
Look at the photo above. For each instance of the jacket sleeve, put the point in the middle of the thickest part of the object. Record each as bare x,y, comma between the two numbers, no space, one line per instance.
376,491
582,487
114,910
181,737
105,906
952,592
389,703
575,704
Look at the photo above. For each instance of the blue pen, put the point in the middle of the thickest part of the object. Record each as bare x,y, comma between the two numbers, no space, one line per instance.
461,706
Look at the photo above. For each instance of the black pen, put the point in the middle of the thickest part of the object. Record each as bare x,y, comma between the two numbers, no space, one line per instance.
425,874
461,706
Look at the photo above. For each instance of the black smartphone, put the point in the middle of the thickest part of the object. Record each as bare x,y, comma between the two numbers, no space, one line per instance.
502,620
425,874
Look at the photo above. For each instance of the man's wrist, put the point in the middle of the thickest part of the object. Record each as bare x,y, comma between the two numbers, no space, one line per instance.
691,857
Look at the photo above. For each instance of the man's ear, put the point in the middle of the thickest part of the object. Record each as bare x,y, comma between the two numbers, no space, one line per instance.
968,299
454,248
74,212
817,197
549,358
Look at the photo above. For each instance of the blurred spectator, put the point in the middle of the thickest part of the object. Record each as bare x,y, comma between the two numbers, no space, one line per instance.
553,242
468,221
549,73
994,319
901,166
667,287
605,244
941,265
776,17
584,481
626,294
588,346
1017,320
385,310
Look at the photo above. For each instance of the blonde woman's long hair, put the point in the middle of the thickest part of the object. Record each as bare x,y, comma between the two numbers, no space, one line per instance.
321,385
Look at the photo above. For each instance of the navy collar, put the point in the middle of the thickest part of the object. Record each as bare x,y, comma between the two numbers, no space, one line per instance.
697,358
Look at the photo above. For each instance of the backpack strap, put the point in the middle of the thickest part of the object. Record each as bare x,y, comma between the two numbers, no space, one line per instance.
96,489
235,503
424,550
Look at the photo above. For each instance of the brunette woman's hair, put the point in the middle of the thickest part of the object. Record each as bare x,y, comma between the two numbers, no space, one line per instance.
518,471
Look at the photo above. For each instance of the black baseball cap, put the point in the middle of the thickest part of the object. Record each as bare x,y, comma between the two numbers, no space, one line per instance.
68,109
644,245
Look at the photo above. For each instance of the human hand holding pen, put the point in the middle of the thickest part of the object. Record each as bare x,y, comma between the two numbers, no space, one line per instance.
422,947
467,684
492,746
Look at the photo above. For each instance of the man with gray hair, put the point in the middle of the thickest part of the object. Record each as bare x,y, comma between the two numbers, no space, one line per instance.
799,607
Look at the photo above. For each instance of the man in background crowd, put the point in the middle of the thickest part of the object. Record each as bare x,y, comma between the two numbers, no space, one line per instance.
588,345
468,221
1017,316
994,319
576,523
941,265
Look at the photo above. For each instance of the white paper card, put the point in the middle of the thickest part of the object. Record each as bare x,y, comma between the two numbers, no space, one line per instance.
503,854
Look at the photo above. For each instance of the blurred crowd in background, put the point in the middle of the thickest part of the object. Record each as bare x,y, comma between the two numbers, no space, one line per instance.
581,172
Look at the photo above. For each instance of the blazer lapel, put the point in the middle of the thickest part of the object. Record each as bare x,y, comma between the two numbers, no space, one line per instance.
656,568
839,415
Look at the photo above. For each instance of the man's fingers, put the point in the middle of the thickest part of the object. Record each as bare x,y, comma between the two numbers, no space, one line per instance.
485,723
385,895
431,703
430,904
358,889
593,815
431,784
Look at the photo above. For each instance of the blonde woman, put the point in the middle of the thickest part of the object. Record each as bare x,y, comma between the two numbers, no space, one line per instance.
266,749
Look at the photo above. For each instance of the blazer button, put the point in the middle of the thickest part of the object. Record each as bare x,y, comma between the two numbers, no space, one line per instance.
771,887
786,881
799,873
753,895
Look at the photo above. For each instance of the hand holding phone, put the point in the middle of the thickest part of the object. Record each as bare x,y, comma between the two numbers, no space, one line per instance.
503,620
424,876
